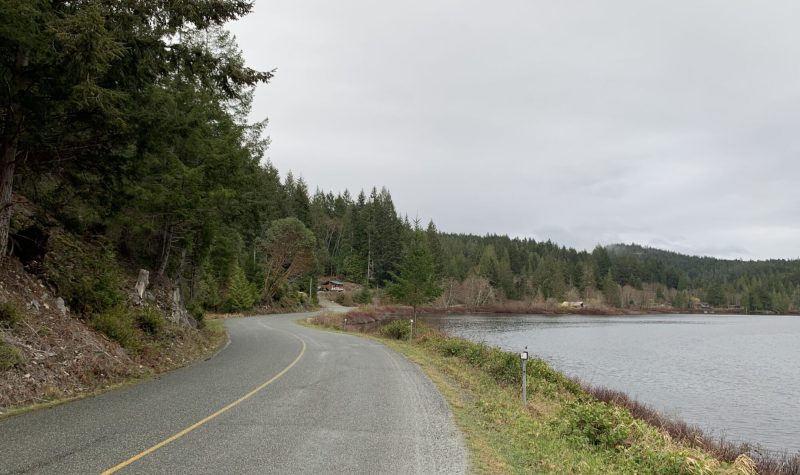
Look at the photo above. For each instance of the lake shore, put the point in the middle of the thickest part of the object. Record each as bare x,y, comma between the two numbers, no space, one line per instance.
377,312
525,308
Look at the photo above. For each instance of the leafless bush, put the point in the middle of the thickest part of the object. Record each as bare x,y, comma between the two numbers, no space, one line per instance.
472,292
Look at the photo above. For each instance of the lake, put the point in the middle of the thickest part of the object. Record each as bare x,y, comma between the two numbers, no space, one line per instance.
735,376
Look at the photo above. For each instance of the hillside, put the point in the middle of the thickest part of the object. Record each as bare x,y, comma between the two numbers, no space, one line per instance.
770,285
71,320
620,276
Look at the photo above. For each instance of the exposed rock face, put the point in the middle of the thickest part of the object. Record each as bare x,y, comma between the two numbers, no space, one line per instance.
164,294
61,307
179,314
142,282
141,285
60,356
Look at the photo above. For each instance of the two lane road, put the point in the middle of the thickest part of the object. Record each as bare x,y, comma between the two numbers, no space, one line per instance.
281,398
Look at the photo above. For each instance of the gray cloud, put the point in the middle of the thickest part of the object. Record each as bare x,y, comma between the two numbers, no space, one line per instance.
672,124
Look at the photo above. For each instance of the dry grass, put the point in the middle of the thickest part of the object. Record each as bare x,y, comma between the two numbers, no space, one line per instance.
63,357
254,312
329,319
375,313
369,314
517,307
361,319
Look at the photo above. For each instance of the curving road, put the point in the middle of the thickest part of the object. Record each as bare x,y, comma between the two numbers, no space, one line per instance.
280,398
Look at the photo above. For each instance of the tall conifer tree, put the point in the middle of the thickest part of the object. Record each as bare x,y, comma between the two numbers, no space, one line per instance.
416,283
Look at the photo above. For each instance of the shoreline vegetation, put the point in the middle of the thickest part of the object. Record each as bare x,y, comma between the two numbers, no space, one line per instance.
523,308
374,313
567,426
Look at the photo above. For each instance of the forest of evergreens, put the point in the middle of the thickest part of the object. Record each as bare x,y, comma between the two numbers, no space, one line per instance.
127,121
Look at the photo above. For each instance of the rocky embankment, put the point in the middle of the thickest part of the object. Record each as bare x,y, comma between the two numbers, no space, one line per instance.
49,352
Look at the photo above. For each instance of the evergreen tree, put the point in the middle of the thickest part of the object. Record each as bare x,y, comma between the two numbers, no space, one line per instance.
361,236
208,293
779,301
387,236
432,235
241,294
505,276
297,195
80,76
601,261
489,265
612,291
416,283
683,281
681,300
716,295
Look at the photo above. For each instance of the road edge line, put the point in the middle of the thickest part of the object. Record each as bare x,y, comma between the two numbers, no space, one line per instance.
210,417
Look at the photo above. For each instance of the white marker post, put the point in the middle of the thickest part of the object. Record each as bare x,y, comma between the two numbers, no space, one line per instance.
411,335
344,325
524,357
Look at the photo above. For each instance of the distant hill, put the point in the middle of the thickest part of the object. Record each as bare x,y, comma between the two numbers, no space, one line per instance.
623,275
704,271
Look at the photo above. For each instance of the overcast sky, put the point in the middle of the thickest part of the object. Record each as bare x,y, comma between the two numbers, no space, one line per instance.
670,124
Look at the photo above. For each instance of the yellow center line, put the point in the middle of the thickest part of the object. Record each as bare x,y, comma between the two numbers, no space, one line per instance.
199,423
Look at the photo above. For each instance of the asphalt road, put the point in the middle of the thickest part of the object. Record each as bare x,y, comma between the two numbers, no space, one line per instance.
280,398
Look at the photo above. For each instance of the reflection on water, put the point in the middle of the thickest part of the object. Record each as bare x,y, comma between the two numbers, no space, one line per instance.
736,376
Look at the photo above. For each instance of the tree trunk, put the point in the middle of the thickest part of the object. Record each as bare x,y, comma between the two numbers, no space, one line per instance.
9,150
369,258
166,248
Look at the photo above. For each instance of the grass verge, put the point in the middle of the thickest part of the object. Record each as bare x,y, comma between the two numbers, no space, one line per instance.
562,429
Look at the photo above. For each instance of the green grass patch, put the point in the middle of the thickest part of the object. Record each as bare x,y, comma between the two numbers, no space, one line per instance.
150,321
9,357
119,324
10,315
214,332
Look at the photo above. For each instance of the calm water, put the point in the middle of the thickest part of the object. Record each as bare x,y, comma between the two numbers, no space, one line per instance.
736,376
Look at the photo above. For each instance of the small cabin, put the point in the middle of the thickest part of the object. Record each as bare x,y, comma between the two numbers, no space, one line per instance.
331,286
